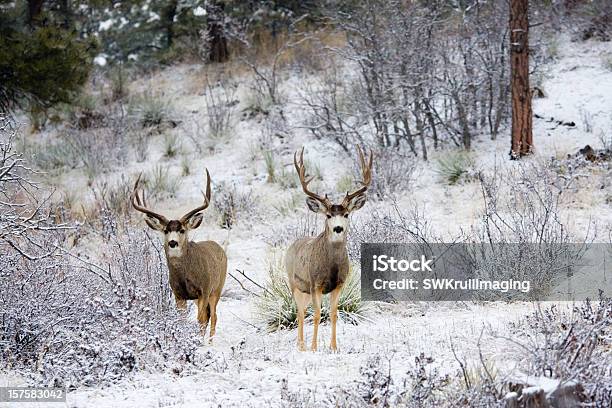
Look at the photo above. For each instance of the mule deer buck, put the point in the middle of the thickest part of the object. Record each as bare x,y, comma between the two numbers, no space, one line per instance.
197,269
320,265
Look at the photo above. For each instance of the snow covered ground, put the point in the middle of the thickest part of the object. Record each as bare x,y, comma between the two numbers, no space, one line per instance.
251,367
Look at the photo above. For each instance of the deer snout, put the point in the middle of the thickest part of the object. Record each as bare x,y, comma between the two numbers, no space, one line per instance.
172,244
338,229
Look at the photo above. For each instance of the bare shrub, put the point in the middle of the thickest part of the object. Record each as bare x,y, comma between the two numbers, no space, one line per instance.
391,227
140,141
99,321
570,347
433,75
86,112
67,320
114,197
160,182
119,79
522,206
98,150
591,19
51,155
307,225
587,120
220,104
22,213
374,387
329,110
393,173
270,166
231,203
523,226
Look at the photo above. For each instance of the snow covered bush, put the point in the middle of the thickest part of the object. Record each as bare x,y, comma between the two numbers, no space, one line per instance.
390,226
570,347
394,173
70,320
230,203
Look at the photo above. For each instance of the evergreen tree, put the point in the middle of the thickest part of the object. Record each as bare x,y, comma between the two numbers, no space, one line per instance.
42,59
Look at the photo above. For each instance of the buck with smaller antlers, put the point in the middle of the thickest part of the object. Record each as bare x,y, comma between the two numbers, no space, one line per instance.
197,269
320,265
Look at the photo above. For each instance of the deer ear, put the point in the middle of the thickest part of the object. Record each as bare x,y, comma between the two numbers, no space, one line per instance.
154,223
357,202
314,205
194,221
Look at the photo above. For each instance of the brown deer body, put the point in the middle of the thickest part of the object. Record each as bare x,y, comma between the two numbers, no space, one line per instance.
320,265
197,269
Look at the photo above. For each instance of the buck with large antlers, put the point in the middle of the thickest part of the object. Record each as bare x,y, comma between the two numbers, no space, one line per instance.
320,265
197,269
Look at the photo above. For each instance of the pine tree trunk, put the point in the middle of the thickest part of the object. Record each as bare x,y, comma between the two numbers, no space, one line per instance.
34,10
522,138
169,13
219,51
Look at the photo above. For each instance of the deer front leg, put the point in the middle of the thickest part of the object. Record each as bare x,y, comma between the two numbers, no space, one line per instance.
203,313
333,301
181,304
301,300
317,294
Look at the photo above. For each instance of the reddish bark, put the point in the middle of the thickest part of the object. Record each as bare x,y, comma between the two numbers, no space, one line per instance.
522,115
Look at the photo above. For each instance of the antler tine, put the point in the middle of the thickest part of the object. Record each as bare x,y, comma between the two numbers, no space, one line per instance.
202,207
366,172
299,167
139,203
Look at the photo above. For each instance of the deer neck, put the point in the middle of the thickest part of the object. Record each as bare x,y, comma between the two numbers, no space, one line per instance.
335,251
175,263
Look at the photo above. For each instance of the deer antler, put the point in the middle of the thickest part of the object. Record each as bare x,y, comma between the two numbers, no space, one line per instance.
139,204
366,171
299,167
203,206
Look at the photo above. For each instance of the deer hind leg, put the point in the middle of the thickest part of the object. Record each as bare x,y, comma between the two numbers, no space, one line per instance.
333,301
302,300
203,313
214,299
317,295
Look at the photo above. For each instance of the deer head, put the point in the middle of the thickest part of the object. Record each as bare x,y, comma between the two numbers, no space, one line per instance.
175,231
337,221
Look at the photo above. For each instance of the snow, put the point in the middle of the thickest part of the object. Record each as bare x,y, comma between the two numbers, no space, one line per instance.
248,367
105,25
100,60
153,17
199,11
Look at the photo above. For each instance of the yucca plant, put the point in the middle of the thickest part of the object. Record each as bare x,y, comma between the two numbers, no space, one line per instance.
277,309
453,165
